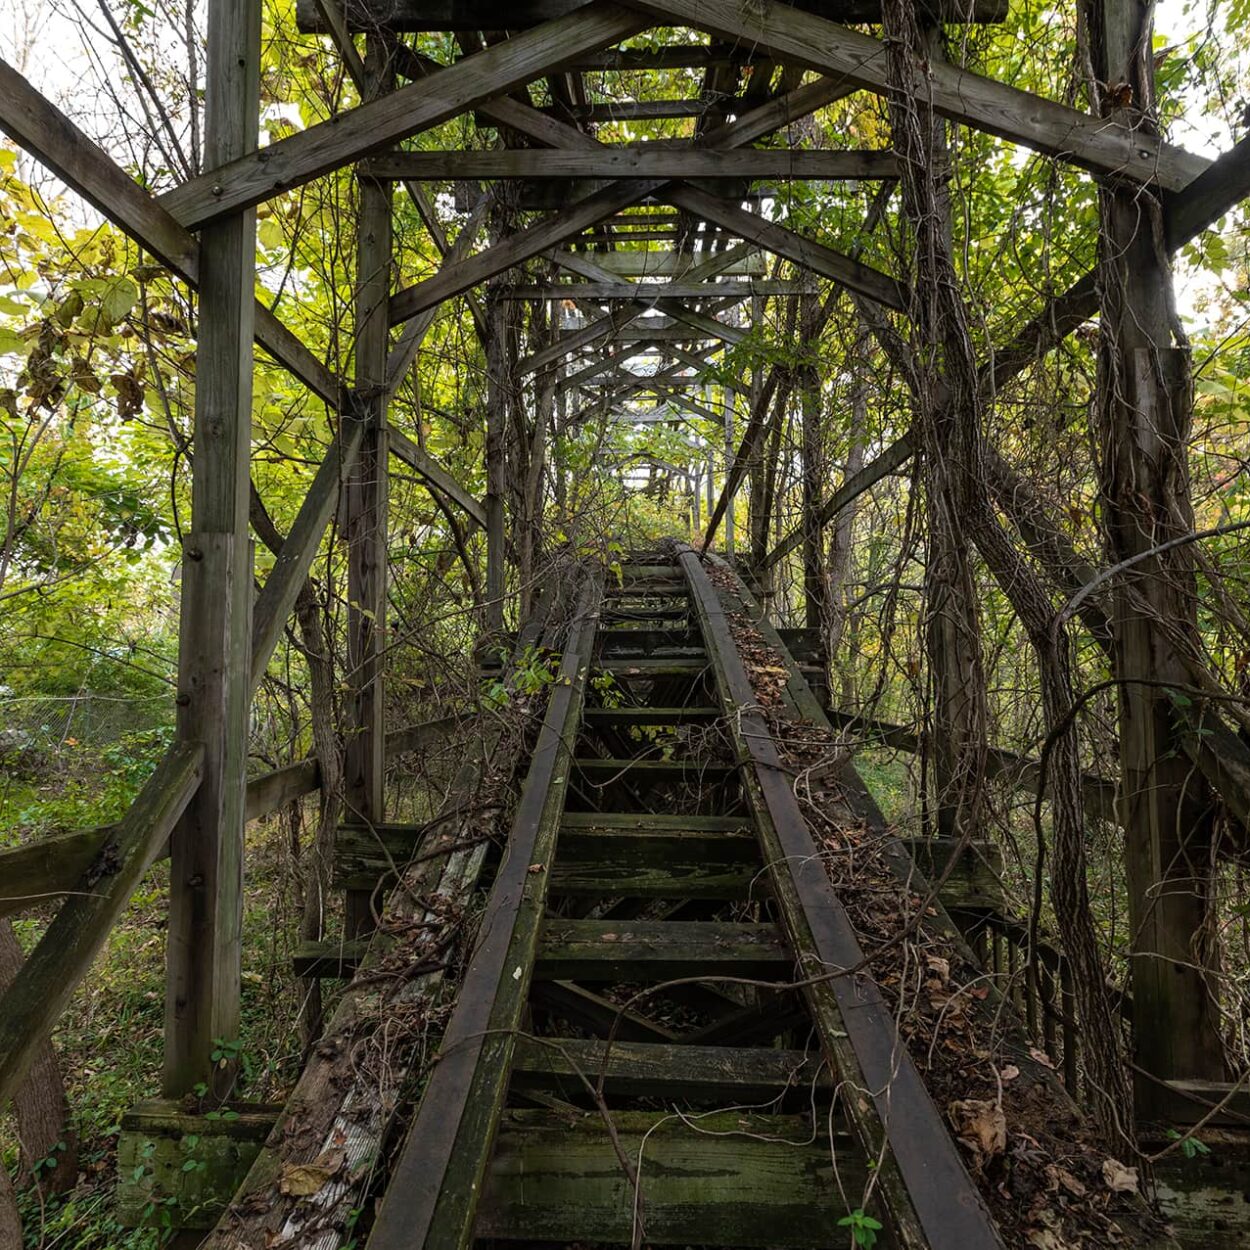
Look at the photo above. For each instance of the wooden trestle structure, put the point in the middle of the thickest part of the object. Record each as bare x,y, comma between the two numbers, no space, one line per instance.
494,1146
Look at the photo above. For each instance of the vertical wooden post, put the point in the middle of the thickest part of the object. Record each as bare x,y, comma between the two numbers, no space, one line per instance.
1145,410
214,655
815,583
496,466
731,398
956,754
757,469
365,497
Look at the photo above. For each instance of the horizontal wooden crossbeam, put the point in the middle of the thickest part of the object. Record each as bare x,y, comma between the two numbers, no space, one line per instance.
366,16
330,145
666,264
610,292
645,161
790,34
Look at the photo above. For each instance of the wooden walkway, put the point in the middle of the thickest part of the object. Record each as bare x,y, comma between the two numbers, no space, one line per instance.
643,1045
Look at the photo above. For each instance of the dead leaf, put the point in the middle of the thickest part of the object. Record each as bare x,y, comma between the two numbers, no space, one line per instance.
981,1125
1008,1072
1120,1179
1061,1178
1041,1057
537,867
1046,1239
941,967
302,1180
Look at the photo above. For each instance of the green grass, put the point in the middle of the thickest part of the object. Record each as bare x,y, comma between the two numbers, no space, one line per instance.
109,1039
886,775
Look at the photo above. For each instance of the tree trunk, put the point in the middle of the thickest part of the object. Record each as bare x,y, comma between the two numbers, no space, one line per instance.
39,1104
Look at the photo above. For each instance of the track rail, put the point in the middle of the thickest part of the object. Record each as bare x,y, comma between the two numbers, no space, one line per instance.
925,1187
636,858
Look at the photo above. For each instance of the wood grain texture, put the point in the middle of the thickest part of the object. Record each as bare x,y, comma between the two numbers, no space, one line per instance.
1018,116
330,145
645,161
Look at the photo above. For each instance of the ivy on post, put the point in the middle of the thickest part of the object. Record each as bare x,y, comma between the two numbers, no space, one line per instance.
1145,410
214,688
365,498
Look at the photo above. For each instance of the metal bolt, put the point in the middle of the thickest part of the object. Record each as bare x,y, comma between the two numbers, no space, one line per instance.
218,189
194,553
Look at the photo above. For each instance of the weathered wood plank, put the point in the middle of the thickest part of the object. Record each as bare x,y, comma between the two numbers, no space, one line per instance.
642,161
519,246
734,1179
746,262
277,597
204,946
648,770
630,950
923,1181
436,1182
611,292
652,1070
437,15
63,955
291,162
1099,144
650,715
804,252
366,497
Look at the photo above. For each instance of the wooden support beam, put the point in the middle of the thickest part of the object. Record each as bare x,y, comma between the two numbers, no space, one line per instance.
611,292
706,268
747,262
644,161
705,324
36,125
43,986
1144,415
439,15
895,456
438,478
365,501
404,353
204,946
521,245
277,597
804,252
291,162
1099,144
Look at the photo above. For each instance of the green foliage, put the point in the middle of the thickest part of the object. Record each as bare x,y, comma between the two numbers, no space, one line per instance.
864,1229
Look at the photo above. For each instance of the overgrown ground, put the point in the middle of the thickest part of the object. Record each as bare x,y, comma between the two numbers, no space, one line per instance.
109,1038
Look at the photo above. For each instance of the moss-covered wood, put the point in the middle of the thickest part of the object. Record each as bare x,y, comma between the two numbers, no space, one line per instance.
179,1168
721,1179
630,950
734,1074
